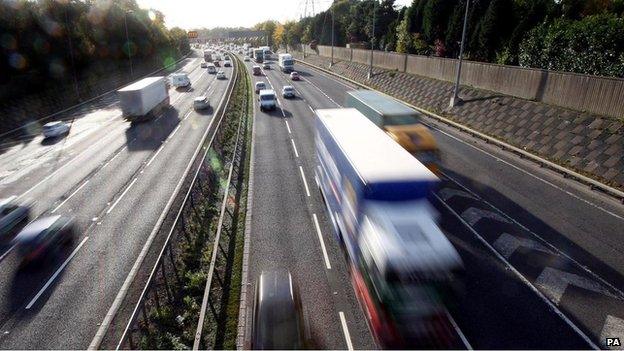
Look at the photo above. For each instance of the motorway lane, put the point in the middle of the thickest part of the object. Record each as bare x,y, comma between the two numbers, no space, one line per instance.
283,232
84,290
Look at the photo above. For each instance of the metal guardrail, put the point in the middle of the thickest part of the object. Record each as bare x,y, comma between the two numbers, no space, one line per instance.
568,173
165,264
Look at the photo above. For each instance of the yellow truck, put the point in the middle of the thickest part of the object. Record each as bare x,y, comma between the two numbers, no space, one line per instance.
399,121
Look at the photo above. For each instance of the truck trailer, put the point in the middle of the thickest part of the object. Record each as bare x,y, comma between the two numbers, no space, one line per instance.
144,99
258,55
286,62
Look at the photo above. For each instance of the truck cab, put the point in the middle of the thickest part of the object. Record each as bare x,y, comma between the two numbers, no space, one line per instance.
401,123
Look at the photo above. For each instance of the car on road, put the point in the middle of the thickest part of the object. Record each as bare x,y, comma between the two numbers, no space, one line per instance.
216,63
256,70
267,99
220,75
260,86
226,58
13,217
288,91
266,65
180,80
55,129
45,238
201,102
295,76
246,59
227,64
212,69
204,64
278,321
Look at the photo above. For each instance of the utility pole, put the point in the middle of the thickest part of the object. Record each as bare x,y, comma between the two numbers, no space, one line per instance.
71,55
128,41
370,66
455,99
331,63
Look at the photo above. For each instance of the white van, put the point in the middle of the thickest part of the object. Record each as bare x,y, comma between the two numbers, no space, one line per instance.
180,80
267,99
212,69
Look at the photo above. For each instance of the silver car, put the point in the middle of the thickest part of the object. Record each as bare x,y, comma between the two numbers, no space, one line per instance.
201,102
55,129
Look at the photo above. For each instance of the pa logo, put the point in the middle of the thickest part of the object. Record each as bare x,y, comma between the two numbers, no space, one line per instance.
613,342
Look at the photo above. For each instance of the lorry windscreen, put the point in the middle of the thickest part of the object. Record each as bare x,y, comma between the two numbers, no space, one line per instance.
267,97
399,190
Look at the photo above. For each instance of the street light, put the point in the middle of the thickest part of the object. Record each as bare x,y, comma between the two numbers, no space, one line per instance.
370,66
128,41
331,63
455,99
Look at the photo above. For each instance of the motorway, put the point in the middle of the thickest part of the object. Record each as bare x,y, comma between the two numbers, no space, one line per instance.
115,179
542,253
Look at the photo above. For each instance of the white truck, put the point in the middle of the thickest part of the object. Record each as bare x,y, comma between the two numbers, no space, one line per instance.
286,62
144,99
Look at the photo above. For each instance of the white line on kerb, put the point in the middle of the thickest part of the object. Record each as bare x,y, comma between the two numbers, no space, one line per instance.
6,253
47,284
320,236
345,330
305,183
295,148
288,127
121,197
70,196
461,334
311,109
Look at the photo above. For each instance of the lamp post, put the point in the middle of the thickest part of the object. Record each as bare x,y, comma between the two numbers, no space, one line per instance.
128,42
370,66
455,99
331,63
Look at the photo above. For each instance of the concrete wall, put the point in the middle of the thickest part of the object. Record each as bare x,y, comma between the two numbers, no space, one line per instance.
594,94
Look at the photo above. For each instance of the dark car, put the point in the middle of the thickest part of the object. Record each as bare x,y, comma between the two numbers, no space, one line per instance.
44,238
278,321
12,218
216,63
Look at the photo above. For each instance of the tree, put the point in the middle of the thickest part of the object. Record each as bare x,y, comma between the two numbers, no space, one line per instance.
495,29
279,35
435,18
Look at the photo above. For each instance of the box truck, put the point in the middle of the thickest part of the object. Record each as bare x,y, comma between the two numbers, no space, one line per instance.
403,268
401,122
208,55
286,62
144,99
258,55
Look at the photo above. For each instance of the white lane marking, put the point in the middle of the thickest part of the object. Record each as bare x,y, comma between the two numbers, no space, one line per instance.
305,183
186,116
535,235
58,271
121,197
70,196
7,252
507,244
459,332
175,131
554,282
531,174
521,277
156,154
295,148
472,215
114,157
288,127
345,330
320,237
311,109
322,92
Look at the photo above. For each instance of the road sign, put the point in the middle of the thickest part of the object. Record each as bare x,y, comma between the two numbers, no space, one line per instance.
192,34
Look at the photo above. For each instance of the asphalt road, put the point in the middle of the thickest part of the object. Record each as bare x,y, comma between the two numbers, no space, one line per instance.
543,268
115,180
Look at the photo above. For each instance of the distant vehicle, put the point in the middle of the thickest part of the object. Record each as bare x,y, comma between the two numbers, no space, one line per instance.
286,62
44,237
246,59
260,86
55,129
401,122
201,102
180,80
403,268
203,65
217,64
12,217
144,99
208,55
288,91
256,70
266,65
267,99
278,322
226,58
294,76
266,52
212,69
258,55
220,75
227,64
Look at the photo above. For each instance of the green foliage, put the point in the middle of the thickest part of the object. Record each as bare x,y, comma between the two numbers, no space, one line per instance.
593,45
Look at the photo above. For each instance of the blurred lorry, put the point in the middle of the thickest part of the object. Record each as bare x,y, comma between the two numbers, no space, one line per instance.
258,55
286,62
208,55
144,99
401,122
403,268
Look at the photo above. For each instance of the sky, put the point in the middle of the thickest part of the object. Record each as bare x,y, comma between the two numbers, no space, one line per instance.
190,14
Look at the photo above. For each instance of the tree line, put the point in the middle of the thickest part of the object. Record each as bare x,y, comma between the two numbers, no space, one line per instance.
583,36
48,40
